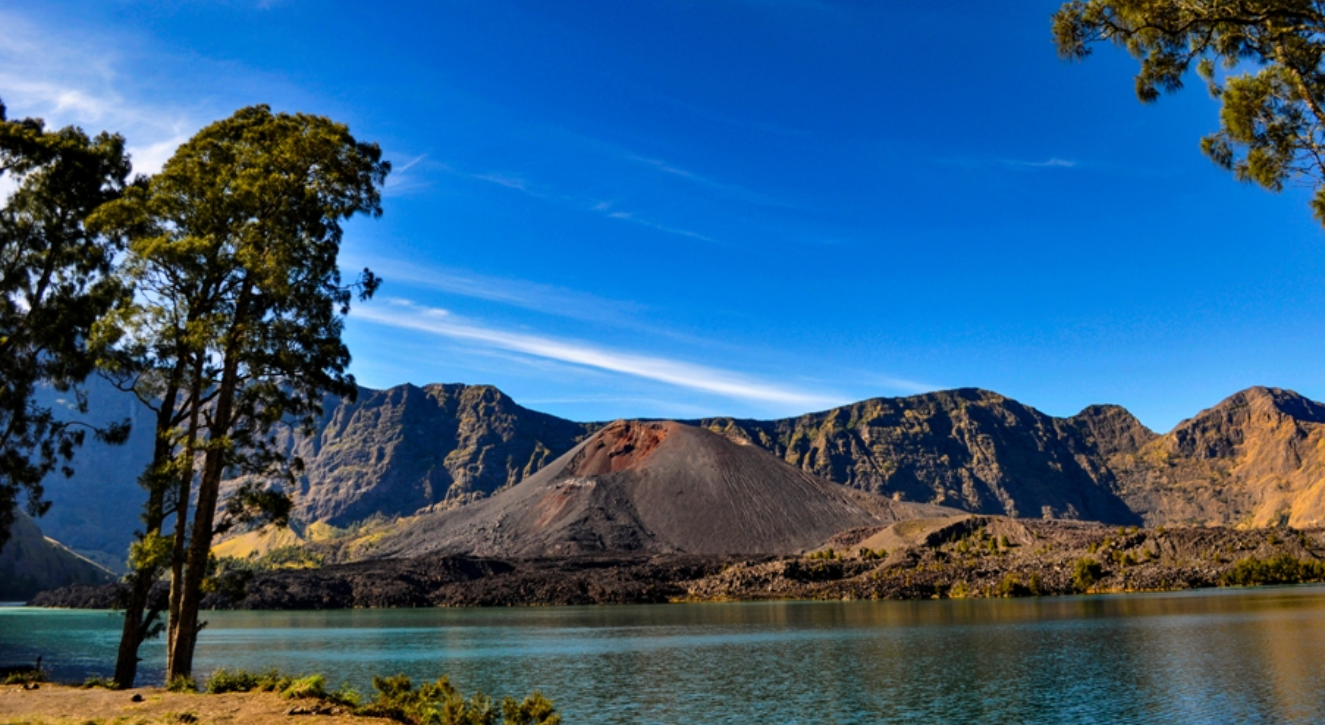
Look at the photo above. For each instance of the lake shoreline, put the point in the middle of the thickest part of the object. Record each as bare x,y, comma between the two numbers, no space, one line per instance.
974,557
1195,656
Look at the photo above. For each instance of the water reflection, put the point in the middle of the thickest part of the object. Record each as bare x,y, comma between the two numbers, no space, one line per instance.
1252,656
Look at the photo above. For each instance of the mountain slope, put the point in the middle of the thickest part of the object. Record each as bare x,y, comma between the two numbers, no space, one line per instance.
1255,459
31,563
967,448
653,488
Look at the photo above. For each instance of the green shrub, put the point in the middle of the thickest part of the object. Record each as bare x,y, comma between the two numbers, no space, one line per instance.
310,686
181,683
1281,569
1085,573
870,554
439,703
226,680
1011,586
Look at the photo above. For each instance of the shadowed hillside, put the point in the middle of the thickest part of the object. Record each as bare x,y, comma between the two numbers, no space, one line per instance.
31,563
392,452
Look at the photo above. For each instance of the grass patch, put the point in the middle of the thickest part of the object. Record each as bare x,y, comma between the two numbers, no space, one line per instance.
26,677
105,683
288,686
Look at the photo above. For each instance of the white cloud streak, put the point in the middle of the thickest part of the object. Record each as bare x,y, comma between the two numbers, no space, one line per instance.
606,208
406,315
535,296
1053,163
72,79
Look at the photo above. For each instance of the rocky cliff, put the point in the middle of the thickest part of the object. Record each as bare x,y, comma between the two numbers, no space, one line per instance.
394,452
969,449
1255,459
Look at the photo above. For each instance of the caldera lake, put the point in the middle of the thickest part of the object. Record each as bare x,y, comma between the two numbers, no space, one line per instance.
1215,656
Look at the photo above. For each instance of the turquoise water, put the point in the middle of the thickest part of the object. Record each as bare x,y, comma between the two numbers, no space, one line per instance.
1226,656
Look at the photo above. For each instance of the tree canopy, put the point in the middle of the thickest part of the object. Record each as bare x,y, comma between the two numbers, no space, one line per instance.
55,283
1260,58
236,327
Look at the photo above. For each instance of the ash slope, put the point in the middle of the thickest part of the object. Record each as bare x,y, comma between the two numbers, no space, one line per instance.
655,488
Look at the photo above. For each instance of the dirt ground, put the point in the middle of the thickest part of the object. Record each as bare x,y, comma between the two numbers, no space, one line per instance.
63,705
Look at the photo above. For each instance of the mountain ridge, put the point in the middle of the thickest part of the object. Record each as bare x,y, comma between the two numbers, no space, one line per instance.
1255,458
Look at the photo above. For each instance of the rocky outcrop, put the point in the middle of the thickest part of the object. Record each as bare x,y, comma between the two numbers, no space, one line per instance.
969,556
1255,459
394,452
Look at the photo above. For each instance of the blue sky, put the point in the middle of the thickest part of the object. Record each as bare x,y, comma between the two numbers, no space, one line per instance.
746,207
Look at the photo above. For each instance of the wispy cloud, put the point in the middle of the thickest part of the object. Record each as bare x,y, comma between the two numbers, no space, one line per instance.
510,182
401,180
1053,163
734,191
535,296
626,216
407,315
520,183
75,79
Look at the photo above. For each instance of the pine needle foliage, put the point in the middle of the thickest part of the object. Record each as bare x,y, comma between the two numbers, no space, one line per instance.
1261,58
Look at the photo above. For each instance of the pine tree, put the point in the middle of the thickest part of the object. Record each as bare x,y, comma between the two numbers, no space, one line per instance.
236,329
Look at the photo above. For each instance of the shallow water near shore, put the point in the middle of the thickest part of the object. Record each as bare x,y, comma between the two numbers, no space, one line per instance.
1220,656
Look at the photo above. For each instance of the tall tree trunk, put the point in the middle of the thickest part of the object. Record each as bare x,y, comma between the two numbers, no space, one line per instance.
139,616
182,513
200,543
209,488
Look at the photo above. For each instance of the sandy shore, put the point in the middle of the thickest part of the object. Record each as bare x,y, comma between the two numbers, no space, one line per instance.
63,705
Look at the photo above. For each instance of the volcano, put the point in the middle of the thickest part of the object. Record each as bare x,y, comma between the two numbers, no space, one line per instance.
653,488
